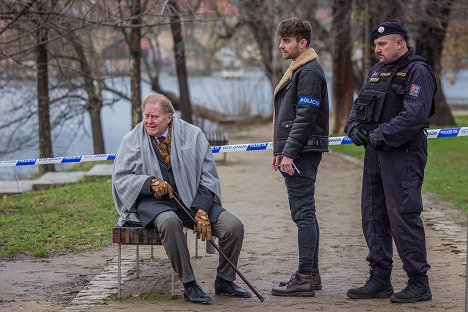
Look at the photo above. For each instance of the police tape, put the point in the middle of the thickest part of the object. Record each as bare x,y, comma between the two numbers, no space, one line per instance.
342,140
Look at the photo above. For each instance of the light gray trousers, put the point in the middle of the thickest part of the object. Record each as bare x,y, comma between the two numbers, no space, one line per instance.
228,229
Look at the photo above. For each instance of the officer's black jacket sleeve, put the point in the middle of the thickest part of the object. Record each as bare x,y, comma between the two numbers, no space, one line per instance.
309,86
352,122
417,102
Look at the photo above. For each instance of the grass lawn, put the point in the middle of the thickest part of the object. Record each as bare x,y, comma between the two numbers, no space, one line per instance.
447,167
72,218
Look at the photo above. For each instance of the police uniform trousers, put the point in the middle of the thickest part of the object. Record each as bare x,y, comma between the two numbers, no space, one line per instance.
228,229
391,206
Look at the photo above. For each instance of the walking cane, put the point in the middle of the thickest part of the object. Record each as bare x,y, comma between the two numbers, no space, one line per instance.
185,209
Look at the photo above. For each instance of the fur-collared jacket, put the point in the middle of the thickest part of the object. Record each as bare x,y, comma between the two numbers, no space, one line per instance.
300,112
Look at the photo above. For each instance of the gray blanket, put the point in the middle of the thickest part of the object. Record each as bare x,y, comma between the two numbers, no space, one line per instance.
191,159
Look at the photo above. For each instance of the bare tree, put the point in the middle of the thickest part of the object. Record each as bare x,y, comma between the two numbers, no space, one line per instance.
43,100
133,36
179,56
152,67
93,89
261,18
343,88
54,27
37,15
434,26
369,14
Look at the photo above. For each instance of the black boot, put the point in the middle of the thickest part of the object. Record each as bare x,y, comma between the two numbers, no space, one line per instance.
417,289
375,287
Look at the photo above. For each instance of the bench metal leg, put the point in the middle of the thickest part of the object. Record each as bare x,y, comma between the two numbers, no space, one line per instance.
137,266
137,261
173,284
119,263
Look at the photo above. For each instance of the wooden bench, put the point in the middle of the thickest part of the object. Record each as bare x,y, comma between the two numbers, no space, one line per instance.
135,236
217,139
138,236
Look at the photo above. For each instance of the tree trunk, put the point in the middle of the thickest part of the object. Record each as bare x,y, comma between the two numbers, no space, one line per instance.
342,65
94,110
432,51
179,55
43,101
261,19
135,62
94,97
370,14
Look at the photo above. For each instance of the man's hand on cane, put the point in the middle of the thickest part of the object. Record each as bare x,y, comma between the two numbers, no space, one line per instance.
161,188
202,226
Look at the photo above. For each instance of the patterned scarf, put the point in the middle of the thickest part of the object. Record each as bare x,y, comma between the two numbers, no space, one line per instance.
164,148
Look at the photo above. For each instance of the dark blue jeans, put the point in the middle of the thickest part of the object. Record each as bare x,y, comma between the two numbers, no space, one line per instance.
301,194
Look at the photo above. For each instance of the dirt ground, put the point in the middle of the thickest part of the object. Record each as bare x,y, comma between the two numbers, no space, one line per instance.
257,195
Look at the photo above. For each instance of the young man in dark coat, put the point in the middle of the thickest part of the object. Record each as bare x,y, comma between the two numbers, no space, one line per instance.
300,137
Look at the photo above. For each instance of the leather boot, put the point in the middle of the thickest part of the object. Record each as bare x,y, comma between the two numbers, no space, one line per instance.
317,279
298,285
417,289
315,275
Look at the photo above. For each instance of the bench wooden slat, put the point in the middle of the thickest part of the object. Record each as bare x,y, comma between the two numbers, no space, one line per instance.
135,236
217,138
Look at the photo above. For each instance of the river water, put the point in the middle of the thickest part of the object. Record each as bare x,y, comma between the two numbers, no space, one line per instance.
251,95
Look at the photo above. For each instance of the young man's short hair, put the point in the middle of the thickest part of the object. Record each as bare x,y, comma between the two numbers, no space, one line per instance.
295,27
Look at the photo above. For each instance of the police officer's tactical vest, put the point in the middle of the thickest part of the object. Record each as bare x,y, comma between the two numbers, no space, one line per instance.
378,103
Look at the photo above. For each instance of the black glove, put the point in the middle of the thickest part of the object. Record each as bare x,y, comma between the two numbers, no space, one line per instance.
358,135
374,141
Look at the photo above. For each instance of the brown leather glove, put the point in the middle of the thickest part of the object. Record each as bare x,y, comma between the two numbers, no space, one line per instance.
161,188
202,226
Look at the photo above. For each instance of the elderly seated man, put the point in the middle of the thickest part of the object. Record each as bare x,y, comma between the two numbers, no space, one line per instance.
164,156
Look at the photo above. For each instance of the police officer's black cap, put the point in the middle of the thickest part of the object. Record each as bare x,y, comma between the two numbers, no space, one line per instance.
388,28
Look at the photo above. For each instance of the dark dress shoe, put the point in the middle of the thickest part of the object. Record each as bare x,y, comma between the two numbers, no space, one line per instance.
230,289
195,294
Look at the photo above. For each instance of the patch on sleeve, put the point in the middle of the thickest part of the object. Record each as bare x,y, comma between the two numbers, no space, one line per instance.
308,100
414,90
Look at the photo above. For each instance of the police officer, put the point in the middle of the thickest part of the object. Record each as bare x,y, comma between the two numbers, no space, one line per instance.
389,118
